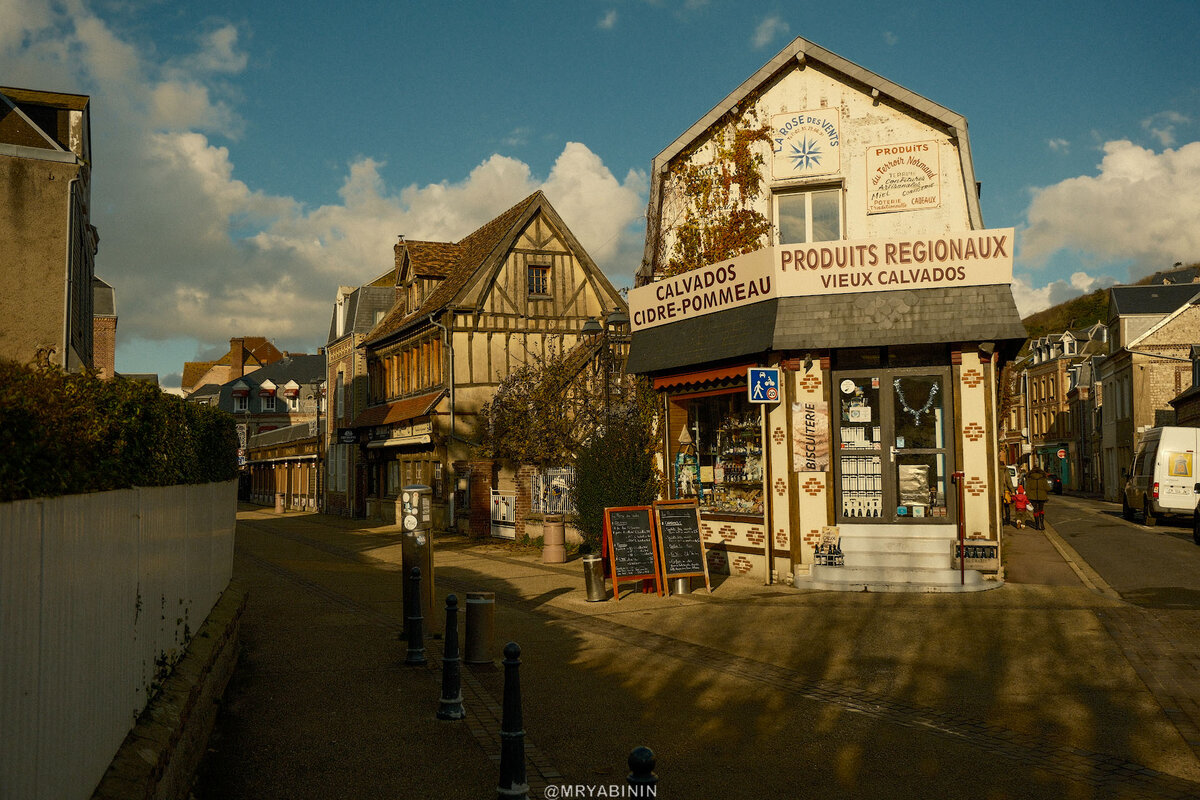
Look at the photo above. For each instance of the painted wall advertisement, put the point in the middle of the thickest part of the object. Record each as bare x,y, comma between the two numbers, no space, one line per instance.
810,432
903,177
806,143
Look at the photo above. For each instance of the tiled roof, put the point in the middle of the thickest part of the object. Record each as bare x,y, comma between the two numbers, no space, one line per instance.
865,319
431,259
194,371
398,410
472,253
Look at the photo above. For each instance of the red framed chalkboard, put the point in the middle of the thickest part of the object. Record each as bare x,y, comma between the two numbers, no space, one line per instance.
632,545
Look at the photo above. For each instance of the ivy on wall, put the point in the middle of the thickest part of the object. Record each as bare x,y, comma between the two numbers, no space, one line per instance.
715,201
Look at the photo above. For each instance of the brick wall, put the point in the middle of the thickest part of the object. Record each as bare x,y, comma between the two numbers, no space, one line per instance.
104,345
524,502
482,473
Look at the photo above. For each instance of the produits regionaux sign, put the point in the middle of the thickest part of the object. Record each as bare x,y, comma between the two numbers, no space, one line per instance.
974,258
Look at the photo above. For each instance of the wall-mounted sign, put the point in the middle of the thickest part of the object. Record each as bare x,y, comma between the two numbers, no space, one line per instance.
903,177
805,143
810,428
762,384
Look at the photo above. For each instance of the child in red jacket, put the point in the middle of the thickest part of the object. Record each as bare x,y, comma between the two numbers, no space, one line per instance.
1021,501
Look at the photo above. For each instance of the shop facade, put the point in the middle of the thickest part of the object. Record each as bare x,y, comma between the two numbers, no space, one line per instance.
879,306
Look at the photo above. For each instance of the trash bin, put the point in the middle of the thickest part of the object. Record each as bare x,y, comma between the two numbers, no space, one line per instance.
279,502
593,578
681,585
554,539
480,627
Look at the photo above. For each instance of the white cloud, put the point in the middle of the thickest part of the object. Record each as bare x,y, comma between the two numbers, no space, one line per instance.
1030,299
1140,208
1162,126
608,21
1059,145
767,30
195,253
890,39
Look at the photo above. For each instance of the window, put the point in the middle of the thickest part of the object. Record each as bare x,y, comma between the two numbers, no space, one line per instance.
814,216
268,403
240,402
293,402
539,280
717,454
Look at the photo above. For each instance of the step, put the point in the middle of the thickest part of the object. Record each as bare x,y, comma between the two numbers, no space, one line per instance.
940,559
895,579
897,544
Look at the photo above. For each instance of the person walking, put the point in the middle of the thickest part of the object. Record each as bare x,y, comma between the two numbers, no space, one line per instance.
1006,496
1021,503
1037,492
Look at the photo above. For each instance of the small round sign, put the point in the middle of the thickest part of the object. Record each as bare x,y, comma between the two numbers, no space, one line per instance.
772,393
1062,453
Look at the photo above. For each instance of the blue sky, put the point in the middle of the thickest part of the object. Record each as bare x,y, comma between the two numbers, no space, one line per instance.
251,157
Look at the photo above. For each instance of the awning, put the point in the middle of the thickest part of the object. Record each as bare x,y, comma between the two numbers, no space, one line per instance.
398,410
401,441
703,376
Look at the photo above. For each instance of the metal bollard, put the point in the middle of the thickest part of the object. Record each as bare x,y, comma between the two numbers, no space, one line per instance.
641,773
451,706
414,625
513,785
480,626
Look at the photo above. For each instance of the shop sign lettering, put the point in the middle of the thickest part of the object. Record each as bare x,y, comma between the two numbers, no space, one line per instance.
810,431
806,143
741,281
903,177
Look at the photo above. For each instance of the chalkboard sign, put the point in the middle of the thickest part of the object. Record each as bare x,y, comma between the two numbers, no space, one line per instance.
679,540
629,536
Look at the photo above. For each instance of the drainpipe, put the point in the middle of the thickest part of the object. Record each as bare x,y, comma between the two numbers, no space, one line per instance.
446,343
66,353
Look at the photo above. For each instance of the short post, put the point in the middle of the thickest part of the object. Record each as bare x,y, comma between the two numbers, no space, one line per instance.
414,625
480,627
641,773
451,704
512,733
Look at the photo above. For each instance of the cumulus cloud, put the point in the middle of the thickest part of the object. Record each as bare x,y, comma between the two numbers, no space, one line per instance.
1162,126
768,30
1059,145
195,253
608,21
1140,208
1030,299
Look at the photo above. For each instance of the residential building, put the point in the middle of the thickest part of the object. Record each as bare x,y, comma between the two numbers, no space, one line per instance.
519,288
104,329
246,354
827,336
355,312
49,243
1151,329
1187,403
1084,400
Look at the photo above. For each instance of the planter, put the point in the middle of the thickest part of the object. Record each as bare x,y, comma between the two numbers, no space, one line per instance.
554,540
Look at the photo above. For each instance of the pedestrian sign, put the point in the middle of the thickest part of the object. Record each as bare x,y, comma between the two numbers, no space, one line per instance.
763,384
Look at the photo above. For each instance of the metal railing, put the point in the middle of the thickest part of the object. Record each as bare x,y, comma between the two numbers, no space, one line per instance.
553,491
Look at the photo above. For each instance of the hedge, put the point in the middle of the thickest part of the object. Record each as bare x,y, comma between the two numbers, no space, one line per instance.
63,433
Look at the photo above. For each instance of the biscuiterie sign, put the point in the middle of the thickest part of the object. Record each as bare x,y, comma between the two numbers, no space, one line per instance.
974,258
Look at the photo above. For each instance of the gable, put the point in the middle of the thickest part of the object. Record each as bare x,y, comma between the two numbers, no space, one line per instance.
1182,328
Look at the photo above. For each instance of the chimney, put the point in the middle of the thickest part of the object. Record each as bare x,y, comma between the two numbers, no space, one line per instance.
237,357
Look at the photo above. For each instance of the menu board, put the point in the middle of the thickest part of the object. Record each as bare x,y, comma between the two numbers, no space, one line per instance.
630,540
679,540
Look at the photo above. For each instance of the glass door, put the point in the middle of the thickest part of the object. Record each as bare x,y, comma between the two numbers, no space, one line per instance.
892,438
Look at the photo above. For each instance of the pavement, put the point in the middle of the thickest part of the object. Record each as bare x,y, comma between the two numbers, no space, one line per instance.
1050,686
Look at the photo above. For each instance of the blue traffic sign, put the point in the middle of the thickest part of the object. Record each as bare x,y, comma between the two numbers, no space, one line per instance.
763,384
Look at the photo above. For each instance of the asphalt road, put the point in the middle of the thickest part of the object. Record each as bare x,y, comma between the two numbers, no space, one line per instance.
1153,567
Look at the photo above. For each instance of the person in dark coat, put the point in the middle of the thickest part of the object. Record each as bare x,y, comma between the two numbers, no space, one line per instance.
1036,490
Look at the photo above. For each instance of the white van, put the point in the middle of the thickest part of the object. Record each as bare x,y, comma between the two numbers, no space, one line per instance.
1162,479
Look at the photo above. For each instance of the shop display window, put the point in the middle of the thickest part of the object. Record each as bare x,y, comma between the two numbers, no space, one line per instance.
717,454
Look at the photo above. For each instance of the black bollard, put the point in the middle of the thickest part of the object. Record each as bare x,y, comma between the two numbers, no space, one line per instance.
641,773
451,705
512,734
415,624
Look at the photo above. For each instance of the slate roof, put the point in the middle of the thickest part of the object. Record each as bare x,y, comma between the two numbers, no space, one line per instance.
104,303
863,319
1151,299
471,253
364,302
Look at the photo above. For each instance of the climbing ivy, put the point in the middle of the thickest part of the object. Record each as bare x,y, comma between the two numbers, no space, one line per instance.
715,200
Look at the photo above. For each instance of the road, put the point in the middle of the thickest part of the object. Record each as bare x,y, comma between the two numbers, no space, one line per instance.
1156,567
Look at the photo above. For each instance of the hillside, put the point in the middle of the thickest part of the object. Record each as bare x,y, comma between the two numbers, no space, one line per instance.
1076,313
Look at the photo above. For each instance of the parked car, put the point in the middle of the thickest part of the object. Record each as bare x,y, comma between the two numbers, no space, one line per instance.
1054,483
1162,477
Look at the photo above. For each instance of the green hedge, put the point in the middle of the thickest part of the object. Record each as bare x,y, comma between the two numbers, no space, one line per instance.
66,433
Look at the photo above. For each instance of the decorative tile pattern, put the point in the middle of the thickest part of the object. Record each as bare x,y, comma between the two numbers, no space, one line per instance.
973,431
706,531
781,538
780,487
756,536
811,384
972,377
778,435
716,560
727,533
742,565
812,537
975,486
813,486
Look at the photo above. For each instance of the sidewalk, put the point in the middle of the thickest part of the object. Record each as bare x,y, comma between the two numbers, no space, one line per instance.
753,691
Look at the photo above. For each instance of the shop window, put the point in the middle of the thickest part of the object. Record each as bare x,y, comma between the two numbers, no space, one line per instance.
808,216
539,280
717,454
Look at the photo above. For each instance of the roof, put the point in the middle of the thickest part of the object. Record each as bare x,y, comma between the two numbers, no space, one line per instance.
863,319
1150,299
429,259
472,252
292,433
302,368
803,51
104,302
363,303
398,410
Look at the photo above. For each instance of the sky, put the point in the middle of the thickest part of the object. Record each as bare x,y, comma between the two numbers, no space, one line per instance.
250,158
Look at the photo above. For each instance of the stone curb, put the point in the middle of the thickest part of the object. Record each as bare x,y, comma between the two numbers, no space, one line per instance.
159,757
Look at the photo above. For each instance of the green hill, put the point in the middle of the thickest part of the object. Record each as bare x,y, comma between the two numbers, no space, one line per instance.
1078,312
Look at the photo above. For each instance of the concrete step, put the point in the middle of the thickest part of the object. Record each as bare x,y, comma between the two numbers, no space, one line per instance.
895,579
897,544
941,559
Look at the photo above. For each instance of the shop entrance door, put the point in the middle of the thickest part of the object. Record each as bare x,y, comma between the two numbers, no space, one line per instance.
892,435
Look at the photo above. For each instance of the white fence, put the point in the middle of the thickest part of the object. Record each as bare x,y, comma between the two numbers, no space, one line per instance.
553,492
96,592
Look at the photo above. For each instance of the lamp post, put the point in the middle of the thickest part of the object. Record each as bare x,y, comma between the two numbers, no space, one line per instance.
317,395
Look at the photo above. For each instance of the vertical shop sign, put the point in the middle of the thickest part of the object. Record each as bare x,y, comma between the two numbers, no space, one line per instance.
810,442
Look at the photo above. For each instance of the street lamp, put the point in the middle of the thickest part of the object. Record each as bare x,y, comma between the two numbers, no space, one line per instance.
317,394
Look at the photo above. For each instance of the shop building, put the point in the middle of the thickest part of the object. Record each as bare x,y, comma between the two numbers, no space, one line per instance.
872,286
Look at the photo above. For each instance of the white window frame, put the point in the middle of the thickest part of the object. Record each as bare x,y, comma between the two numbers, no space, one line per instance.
268,402
241,403
807,192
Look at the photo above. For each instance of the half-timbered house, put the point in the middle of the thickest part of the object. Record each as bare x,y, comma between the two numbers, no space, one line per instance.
519,288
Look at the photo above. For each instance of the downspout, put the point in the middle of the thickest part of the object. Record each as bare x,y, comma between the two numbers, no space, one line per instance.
66,353
449,346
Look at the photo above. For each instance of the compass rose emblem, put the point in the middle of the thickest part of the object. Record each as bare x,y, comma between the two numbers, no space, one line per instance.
806,154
